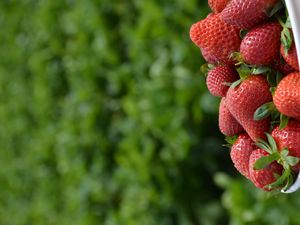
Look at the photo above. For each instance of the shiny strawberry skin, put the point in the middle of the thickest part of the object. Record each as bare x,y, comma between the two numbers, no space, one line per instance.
243,100
266,176
291,57
217,5
289,137
240,154
218,78
216,39
227,123
287,96
246,13
261,45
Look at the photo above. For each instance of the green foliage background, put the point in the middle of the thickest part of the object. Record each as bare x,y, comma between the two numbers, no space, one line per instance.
105,119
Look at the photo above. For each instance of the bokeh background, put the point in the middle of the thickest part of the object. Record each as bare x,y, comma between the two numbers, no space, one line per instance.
105,119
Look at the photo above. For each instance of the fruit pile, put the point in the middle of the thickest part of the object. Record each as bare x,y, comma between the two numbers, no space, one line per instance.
252,66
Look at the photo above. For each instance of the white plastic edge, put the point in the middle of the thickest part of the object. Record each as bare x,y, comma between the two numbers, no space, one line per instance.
293,7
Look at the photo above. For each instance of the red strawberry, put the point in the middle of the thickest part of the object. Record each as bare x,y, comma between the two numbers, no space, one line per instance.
261,45
291,57
216,39
282,66
217,5
287,96
227,123
243,100
262,178
218,78
289,137
246,13
240,154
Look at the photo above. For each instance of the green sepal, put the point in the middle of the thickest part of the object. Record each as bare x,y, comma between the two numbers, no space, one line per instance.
264,161
231,139
280,181
284,120
236,83
206,67
292,161
264,145
264,111
272,143
274,78
261,70
273,10
243,33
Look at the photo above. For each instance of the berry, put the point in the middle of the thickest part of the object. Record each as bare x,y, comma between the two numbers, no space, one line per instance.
262,178
218,79
287,96
280,65
216,39
291,57
289,137
240,154
217,5
261,45
243,100
227,123
246,13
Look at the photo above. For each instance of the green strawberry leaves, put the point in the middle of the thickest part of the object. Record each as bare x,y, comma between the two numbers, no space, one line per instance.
264,161
282,157
206,67
284,120
286,34
264,111
277,7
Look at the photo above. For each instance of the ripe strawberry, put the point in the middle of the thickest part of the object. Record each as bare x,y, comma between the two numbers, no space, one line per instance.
289,137
240,154
217,5
227,123
261,45
246,13
291,57
216,39
287,96
243,100
218,78
280,65
262,178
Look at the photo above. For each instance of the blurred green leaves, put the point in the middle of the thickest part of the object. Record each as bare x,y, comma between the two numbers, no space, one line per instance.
105,118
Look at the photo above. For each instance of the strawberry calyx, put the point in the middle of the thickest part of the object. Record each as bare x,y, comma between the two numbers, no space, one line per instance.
281,157
230,140
206,67
265,111
269,109
271,11
286,34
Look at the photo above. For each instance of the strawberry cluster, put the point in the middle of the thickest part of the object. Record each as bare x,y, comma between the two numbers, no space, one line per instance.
252,66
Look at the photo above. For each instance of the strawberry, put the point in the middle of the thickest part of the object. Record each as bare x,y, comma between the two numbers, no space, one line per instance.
227,123
218,79
289,137
216,39
261,45
243,100
246,13
240,154
291,56
287,96
262,178
280,65
217,5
